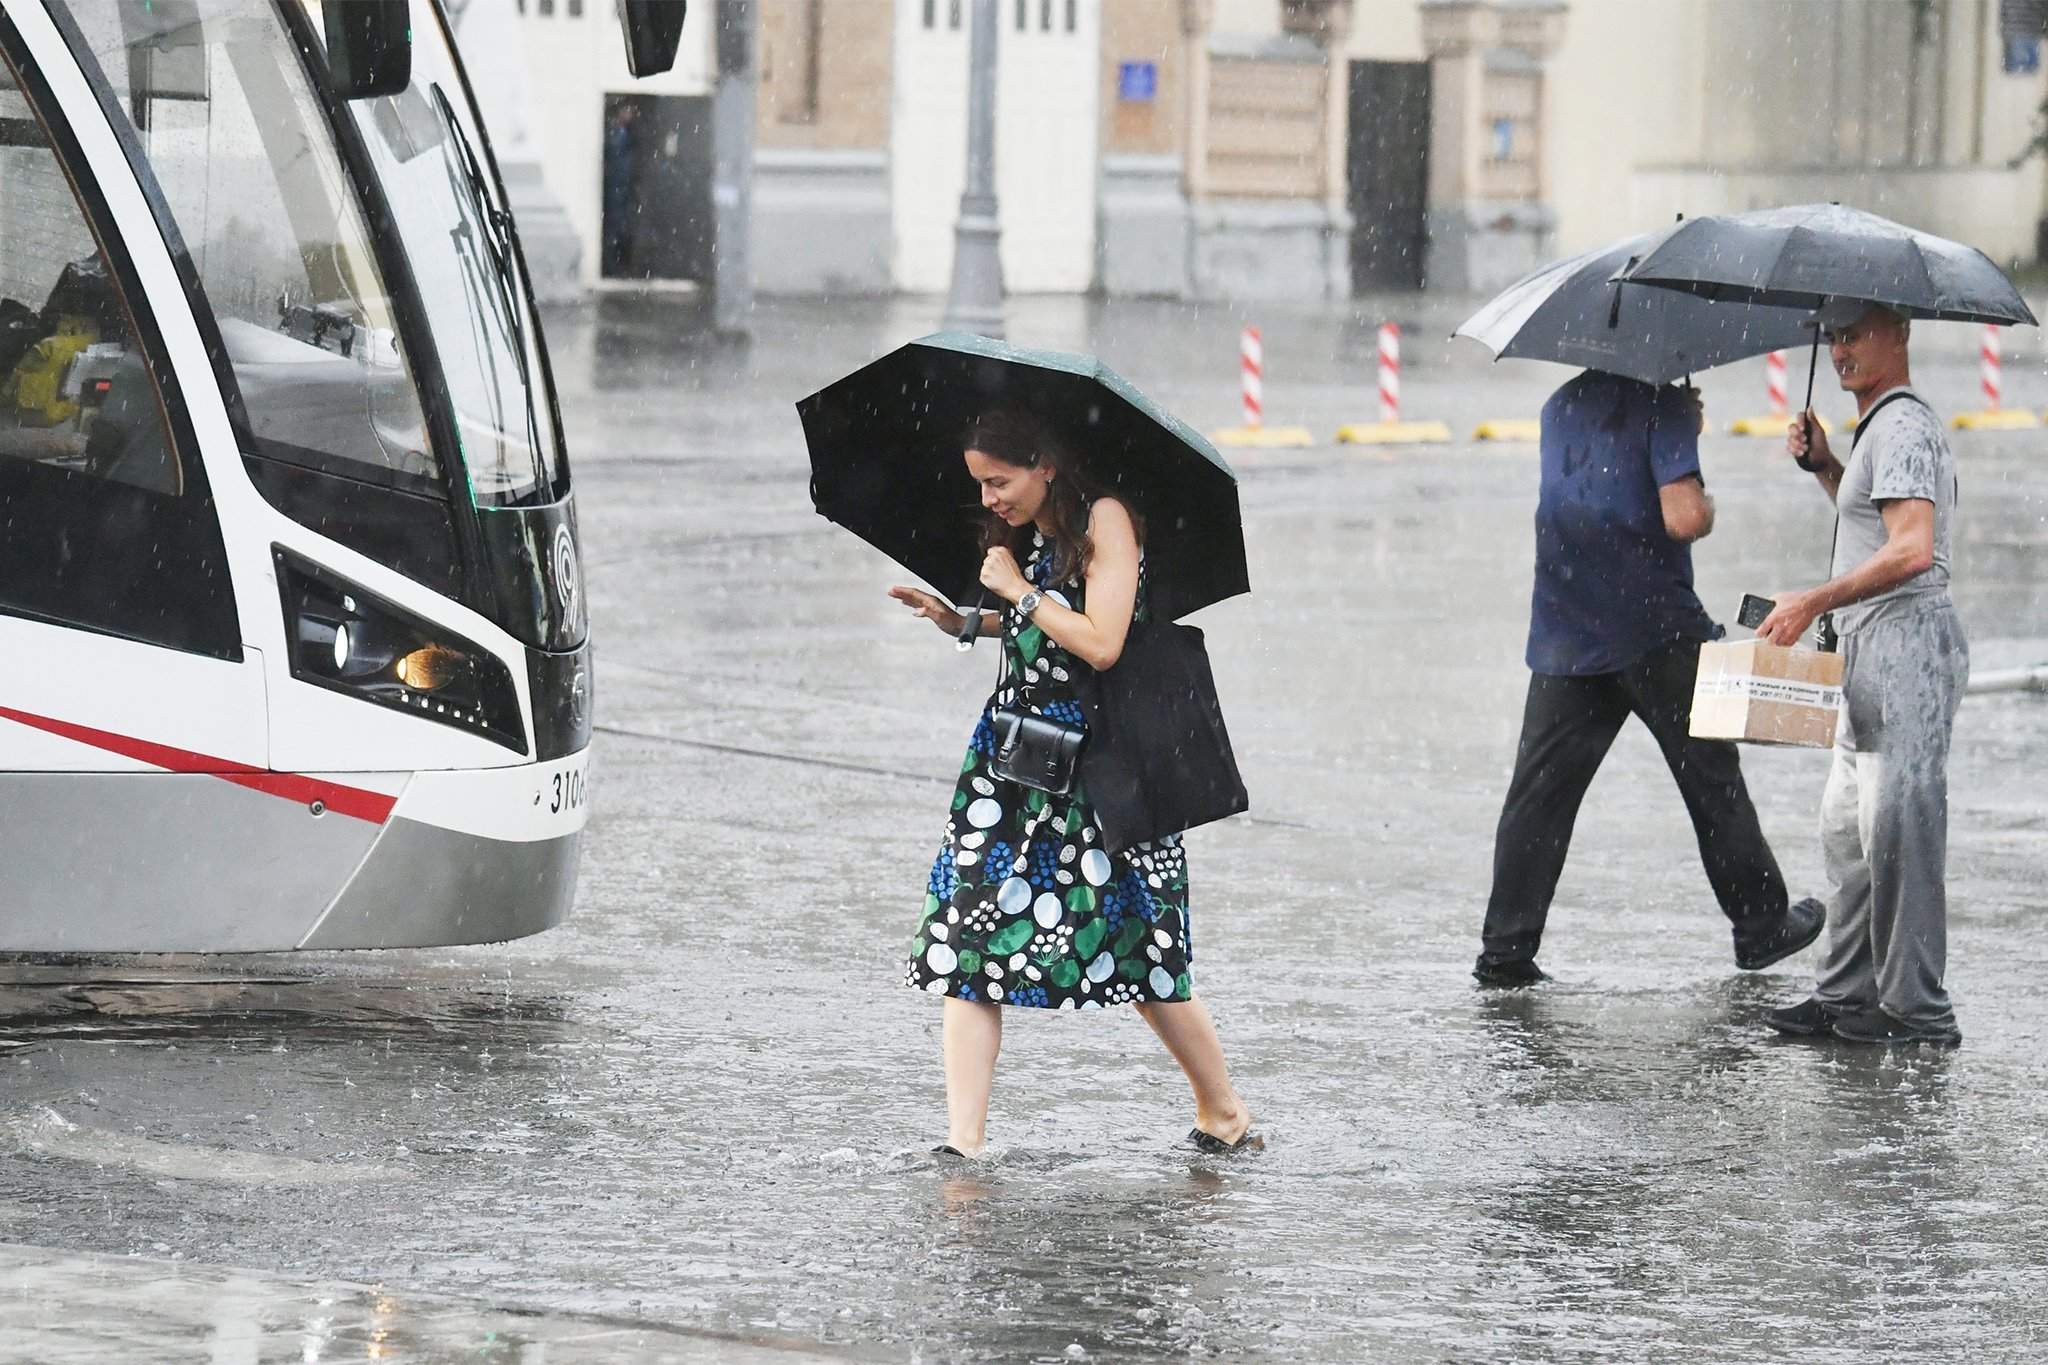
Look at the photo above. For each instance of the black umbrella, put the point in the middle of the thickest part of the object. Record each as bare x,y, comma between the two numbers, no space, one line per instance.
1576,312
886,444
1796,257
1807,254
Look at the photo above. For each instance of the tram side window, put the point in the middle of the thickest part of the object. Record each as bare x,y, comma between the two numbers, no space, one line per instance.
235,138
102,523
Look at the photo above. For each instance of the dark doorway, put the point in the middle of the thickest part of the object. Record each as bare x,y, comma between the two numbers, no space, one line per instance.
1389,174
658,222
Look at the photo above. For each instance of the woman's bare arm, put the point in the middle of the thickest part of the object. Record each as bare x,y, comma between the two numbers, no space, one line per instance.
1096,636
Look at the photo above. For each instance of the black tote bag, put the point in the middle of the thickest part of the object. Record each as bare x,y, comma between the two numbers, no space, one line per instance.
1158,758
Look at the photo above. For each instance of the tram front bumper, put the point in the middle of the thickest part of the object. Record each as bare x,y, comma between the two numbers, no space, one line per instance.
467,857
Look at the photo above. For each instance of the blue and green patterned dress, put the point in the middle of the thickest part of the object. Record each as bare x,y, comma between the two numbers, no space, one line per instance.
1025,906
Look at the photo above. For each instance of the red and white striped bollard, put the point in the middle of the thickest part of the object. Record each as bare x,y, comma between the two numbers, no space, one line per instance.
1390,372
1987,367
1251,356
1774,381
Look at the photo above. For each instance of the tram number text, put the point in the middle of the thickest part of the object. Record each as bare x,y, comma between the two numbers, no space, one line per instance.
568,791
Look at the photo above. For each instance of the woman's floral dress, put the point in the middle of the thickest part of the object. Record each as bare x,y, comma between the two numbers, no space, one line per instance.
1024,905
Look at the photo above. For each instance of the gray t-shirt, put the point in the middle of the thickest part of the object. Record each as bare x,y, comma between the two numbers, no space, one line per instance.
1901,453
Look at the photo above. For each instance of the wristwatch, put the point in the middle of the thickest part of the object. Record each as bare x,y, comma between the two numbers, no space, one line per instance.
1028,603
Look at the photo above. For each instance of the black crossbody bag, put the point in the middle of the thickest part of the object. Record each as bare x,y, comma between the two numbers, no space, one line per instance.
1032,750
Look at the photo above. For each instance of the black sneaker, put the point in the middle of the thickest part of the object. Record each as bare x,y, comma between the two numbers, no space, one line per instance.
1508,976
1801,926
1810,1018
1875,1026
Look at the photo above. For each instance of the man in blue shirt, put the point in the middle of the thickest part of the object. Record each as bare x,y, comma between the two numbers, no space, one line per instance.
1614,631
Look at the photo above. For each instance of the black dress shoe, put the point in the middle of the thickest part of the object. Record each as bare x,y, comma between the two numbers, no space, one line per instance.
1801,926
1507,975
1211,1145
1875,1026
1810,1018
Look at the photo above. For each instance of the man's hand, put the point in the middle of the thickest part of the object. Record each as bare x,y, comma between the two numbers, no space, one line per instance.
1788,621
1698,406
1807,444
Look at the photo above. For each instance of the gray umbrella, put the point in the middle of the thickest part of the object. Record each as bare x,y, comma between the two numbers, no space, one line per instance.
1575,312
1800,255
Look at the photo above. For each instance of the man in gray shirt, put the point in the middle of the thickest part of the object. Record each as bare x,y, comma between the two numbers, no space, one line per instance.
1884,818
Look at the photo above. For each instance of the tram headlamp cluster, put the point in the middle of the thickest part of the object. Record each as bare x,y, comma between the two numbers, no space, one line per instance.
352,641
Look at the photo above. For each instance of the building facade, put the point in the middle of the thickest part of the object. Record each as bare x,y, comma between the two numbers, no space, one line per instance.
1304,149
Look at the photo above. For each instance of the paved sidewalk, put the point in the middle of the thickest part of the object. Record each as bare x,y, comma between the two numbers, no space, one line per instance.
62,1309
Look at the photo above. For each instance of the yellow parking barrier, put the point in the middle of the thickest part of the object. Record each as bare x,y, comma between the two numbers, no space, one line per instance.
1393,434
1512,429
1995,419
1263,437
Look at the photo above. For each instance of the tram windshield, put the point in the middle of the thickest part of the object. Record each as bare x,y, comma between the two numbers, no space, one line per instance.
227,115
442,197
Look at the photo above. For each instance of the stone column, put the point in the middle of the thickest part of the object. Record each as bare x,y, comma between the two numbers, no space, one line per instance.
487,32
1488,219
1328,23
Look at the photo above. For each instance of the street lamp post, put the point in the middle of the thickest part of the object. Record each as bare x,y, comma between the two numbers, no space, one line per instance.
975,302
732,178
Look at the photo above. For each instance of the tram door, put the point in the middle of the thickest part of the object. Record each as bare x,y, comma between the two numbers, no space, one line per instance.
123,675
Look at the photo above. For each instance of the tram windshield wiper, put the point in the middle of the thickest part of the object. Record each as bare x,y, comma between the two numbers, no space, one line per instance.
495,230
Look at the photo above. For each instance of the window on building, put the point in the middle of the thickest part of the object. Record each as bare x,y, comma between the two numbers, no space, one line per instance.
105,522
1073,15
953,15
931,14
1023,15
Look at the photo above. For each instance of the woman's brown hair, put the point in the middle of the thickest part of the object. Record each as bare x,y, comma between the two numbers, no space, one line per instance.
1019,437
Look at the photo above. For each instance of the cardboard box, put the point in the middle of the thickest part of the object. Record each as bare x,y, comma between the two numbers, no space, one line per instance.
1767,694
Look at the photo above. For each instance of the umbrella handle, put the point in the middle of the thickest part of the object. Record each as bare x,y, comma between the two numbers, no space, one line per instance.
1806,412
970,624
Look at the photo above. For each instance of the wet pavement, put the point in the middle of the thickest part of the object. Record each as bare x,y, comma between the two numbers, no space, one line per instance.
704,1104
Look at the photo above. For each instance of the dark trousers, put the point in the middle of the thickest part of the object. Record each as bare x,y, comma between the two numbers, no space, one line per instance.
1568,725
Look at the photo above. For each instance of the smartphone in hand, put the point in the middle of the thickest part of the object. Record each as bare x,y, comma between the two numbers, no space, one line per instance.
1753,611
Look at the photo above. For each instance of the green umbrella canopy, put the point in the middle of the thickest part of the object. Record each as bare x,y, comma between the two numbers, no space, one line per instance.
886,445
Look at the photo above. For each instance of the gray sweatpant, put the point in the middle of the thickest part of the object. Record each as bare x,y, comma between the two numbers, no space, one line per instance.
1884,818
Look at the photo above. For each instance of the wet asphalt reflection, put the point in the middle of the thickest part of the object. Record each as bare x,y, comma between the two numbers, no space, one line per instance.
707,1101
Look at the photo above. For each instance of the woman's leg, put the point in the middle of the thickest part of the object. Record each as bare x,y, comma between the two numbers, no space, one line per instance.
1190,1035
973,1035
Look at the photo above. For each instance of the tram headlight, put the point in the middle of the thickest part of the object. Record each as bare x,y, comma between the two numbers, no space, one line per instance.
350,640
430,667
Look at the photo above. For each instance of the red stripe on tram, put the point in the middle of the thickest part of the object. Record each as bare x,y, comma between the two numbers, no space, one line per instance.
374,807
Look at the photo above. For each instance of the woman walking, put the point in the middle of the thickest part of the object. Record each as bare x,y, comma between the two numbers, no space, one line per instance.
1026,906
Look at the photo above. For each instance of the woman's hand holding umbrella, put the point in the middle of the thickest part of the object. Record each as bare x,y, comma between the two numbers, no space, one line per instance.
1001,575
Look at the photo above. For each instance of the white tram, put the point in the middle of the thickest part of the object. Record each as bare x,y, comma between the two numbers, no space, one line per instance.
293,651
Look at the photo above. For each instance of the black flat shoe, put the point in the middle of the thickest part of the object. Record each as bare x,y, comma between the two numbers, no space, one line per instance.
1507,976
1801,926
1875,1026
1810,1018
1211,1145
948,1149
